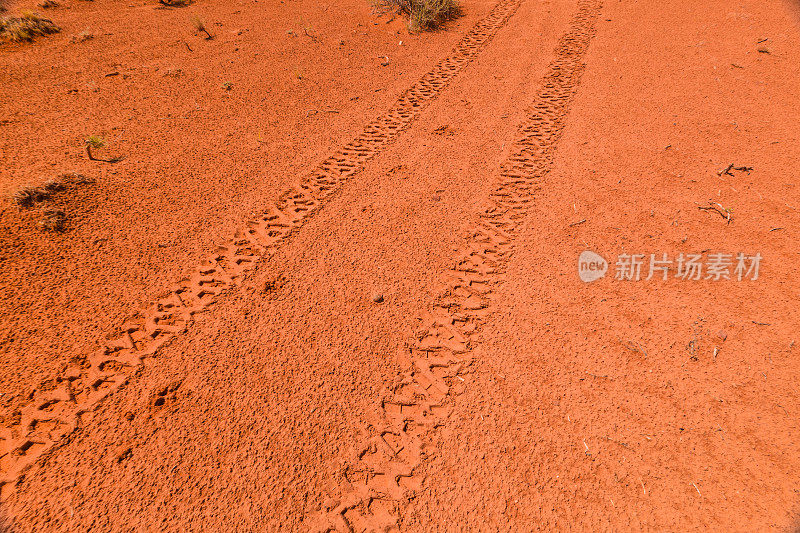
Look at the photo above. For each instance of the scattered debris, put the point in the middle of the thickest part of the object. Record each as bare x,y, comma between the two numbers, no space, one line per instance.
724,212
727,170
81,37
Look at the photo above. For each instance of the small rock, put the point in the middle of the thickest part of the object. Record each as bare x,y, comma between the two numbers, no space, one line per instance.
722,335
377,297
123,452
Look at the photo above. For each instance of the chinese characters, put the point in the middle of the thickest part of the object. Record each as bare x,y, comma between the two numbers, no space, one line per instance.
694,267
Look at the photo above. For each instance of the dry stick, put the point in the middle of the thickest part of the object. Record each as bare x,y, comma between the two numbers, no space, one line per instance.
578,222
717,208
726,171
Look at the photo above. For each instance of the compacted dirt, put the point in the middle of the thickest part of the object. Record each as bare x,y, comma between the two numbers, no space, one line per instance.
333,282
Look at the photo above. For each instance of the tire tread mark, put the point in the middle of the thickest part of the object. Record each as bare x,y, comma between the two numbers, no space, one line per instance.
50,414
382,474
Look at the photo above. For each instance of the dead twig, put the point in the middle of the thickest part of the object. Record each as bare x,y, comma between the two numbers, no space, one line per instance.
724,212
732,166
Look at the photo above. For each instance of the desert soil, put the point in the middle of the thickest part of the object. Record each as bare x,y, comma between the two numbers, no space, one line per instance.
333,281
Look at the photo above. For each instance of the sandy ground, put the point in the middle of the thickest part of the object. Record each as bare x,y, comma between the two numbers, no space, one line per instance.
614,405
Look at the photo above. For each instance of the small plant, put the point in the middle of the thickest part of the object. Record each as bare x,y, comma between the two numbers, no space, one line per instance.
96,142
297,73
227,86
25,28
422,14
52,220
199,25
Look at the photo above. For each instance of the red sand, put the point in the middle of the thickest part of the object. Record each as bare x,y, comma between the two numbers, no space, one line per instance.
514,397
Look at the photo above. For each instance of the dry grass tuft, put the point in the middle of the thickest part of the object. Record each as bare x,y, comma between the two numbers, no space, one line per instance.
25,28
29,195
423,15
52,220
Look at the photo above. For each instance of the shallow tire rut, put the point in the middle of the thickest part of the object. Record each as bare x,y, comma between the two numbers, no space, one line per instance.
52,411
380,476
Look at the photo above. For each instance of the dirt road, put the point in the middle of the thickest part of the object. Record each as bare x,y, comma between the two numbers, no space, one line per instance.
334,283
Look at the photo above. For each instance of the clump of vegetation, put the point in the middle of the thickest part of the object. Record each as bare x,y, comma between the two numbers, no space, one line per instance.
52,220
96,142
199,25
25,28
29,195
422,14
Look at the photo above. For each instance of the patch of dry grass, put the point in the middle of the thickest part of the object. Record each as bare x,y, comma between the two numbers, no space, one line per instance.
52,220
25,28
423,15
29,195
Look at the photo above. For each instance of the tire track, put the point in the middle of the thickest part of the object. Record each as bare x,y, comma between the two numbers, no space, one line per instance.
380,475
53,410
